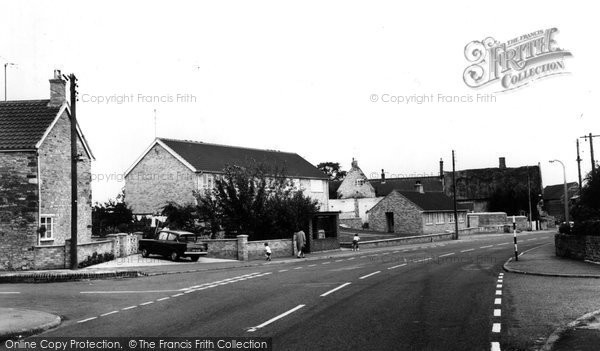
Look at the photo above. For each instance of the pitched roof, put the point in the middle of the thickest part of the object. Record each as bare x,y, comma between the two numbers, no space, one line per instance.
552,192
23,123
431,201
215,158
430,184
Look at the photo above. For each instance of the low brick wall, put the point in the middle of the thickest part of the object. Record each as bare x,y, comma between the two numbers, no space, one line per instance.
279,248
578,247
49,257
402,241
222,248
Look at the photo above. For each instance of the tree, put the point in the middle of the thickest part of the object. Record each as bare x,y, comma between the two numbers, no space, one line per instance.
255,200
113,216
588,205
333,170
180,217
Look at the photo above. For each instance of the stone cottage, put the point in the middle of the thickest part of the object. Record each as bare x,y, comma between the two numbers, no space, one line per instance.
171,170
35,186
415,213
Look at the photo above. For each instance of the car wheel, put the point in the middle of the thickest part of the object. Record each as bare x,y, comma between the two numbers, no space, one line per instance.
145,253
174,256
194,258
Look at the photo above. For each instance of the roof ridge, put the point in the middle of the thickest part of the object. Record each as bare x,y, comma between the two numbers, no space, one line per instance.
223,145
22,101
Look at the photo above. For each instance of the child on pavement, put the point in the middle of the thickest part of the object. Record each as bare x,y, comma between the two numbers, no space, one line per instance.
355,242
267,252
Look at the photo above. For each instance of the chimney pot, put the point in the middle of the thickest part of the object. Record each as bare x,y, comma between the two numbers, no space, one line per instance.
419,187
382,176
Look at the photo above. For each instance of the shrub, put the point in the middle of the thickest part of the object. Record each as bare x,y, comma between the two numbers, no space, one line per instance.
564,228
590,227
95,258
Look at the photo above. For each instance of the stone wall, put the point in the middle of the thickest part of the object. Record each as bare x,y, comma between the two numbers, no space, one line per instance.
279,248
326,244
55,184
578,247
407,217
156,179
402,241
222,248
481,219
18,210
447,225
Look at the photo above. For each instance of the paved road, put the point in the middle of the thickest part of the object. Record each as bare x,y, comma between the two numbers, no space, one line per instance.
438,296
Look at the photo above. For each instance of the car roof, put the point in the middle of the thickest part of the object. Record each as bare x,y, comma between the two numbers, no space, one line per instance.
178,232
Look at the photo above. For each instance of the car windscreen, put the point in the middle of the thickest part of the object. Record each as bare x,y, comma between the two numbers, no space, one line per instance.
188,238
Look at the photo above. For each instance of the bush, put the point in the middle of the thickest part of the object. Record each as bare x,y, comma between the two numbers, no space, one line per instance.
591,227
96,259
564,228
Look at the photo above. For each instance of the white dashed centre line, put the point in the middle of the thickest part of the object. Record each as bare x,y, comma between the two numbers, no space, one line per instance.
351,258
128,308
498,292
485,247
369,275
312,265
109,313
497,301
495,346
85,320
253,329
326,262
146,303
467,250
496,328
497,312
163,299
298,268
448,254
400,265
283,270
335,289
499,286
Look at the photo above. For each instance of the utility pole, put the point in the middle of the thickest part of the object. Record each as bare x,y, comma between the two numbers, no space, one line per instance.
529,198
454,192
591,148
74,159
578,165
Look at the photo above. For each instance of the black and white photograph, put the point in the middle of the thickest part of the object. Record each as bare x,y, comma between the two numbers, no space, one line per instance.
299,175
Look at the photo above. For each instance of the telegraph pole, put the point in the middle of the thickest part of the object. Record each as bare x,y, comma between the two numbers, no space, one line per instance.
74,159
579,165
591,148
529,198
454,191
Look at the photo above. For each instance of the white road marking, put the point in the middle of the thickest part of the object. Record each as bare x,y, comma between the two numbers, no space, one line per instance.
497,312
177,295
163,299
283,270
338,260
335,289
368,275
363,257
312,265
298,267
146,303
448,254
485,247
424,259
497,301
496,328
502,244
128,308
498,292
396,251
253,329
400,265
326,263
351,258
85,320
9,292
499,286
500,281
495,346
128,291
467,250
109,313
533,239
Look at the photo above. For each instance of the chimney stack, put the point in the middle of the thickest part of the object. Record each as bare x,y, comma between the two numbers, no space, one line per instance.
419,187
58,95
502,164
354,163
441,168
382,176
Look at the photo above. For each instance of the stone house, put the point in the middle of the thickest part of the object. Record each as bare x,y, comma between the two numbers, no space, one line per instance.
35,185
415,213
554,195
172,170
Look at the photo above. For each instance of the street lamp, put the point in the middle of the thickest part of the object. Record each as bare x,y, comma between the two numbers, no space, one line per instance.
566,192
6,65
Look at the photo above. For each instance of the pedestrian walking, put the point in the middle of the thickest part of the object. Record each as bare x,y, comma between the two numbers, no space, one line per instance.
355,241
267,252
300,243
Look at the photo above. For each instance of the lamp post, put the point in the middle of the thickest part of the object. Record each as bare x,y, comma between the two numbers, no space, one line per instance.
566,195
6,65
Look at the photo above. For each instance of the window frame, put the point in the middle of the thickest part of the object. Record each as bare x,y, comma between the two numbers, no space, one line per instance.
43,222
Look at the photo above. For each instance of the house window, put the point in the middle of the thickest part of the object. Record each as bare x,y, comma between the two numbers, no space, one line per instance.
439,218
461,218
206,181
359,182
316,186
47,223
428,218
450,217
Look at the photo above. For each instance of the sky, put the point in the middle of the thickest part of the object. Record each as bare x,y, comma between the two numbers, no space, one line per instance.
320,79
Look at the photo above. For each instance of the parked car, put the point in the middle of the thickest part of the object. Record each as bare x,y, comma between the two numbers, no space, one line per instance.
174,244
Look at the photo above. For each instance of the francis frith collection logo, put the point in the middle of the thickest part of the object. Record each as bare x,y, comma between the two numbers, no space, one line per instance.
516,62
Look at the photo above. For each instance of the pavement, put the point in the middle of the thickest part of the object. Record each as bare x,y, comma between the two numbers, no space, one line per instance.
16,322
582,334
